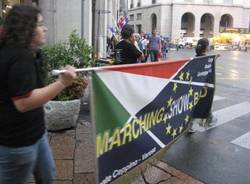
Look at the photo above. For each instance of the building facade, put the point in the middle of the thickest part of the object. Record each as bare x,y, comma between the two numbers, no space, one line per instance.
90,18
188,18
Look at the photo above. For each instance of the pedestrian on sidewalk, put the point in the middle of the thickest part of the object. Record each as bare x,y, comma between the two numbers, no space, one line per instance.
154,46
24,147
201,50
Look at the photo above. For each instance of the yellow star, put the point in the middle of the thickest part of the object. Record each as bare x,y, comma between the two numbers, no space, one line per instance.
187,75
191,105
181,77
174,133
175,87
186,119
191,91
180,129
168,129
170,101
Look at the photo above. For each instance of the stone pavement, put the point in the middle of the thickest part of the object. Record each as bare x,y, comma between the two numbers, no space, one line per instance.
73,151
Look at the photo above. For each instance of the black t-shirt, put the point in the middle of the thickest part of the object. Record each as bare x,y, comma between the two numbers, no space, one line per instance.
19,75
127,53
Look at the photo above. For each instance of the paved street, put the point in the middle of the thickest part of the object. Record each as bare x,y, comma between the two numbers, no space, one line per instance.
221,154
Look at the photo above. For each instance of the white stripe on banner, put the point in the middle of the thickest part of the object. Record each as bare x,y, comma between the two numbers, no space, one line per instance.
227,114
158,141
243,141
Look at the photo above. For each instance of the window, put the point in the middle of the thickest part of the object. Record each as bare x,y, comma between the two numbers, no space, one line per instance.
139,16
153,1
138,28
139,3
132,4
203,19
185,19
131,17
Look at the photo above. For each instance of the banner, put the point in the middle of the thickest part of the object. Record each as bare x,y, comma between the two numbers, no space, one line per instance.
139,109
122,21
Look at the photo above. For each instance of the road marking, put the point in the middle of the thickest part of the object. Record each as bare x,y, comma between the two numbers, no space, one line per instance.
227,114
217,98
243,141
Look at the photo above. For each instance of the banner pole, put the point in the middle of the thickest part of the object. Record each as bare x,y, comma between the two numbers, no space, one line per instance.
58,72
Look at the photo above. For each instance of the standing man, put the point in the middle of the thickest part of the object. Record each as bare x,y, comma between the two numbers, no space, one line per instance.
154,46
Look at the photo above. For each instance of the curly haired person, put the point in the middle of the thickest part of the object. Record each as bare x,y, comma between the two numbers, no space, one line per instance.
24,148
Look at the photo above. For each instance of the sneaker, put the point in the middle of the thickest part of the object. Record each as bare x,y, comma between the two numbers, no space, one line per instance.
211,120
190,129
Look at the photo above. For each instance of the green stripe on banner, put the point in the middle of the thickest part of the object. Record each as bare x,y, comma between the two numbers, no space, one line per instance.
114,115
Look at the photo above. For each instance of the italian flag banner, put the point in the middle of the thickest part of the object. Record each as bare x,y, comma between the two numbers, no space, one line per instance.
140,109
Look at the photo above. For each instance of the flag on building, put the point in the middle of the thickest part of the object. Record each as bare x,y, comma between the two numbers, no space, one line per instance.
140,109
113,30
122,21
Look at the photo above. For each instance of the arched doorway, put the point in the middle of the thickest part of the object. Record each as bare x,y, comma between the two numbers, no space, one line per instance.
226,21
207,25
187,25
153,22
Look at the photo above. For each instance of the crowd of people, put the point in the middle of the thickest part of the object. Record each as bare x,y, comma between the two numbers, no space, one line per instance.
152,46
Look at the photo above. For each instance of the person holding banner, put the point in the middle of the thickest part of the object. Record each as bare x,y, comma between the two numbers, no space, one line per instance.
201,50
24,147
126,51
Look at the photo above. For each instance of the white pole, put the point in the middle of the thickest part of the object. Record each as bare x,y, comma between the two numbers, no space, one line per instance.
58,72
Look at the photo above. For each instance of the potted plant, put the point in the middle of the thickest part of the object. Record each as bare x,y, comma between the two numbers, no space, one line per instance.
63,111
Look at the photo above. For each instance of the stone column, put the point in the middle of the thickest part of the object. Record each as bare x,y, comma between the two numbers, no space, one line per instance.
102,16
197,25
176,23
216,25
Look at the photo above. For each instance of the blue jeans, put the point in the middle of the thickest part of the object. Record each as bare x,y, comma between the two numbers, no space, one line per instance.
153,55
18,164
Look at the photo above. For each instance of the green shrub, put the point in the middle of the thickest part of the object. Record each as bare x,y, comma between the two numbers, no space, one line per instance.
75,52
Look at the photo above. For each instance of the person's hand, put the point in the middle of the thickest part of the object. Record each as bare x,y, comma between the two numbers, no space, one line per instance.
68,76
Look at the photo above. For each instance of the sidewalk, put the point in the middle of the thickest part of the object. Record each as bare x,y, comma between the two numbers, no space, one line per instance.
73,153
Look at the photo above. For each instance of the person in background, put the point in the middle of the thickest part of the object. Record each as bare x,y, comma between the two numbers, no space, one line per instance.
164,48
154,46
24,147
201,50
145,47
126,51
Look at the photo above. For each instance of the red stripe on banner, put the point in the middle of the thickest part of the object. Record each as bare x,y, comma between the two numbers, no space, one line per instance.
161,69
